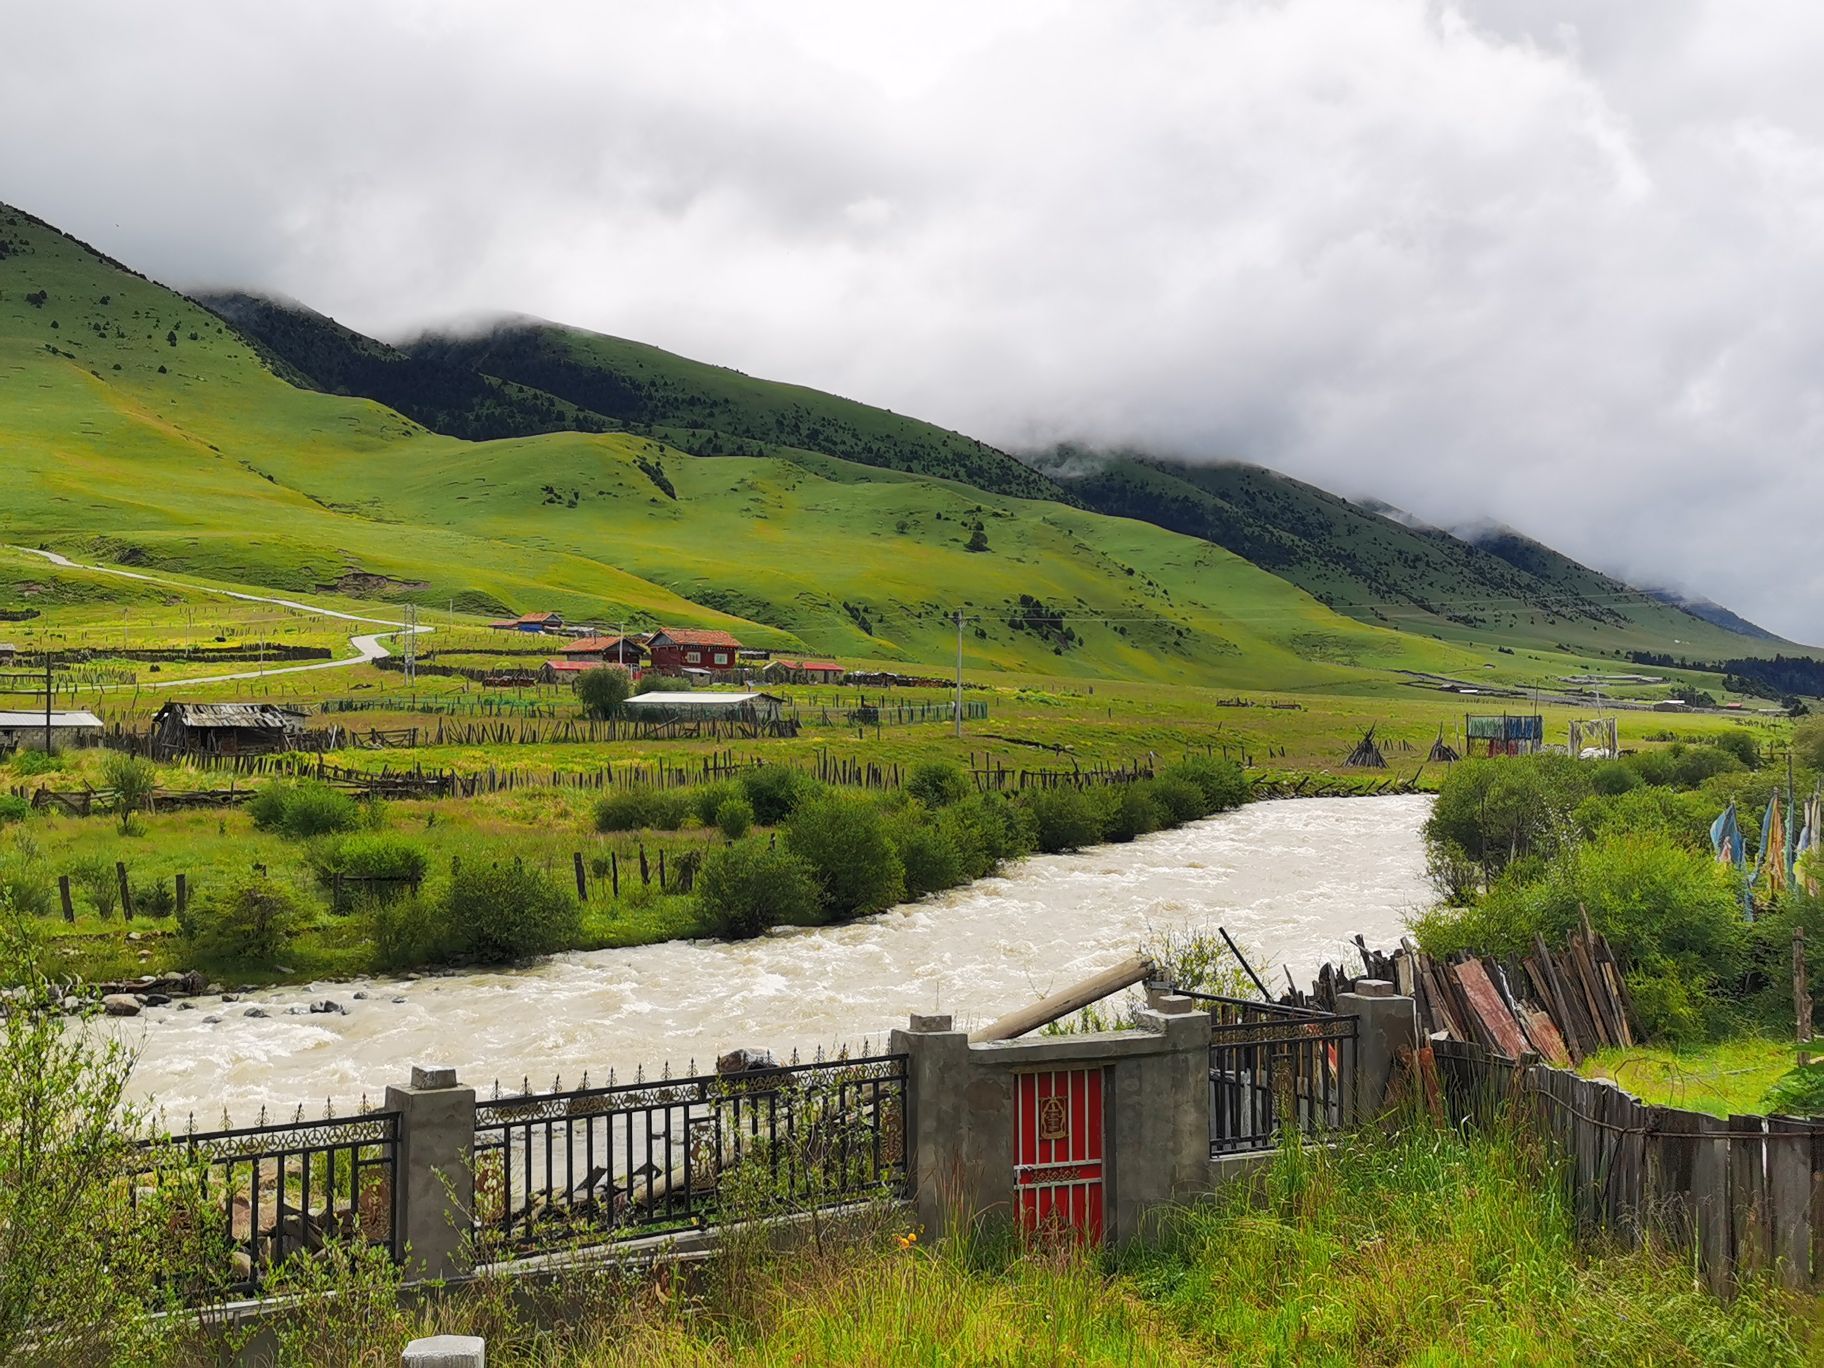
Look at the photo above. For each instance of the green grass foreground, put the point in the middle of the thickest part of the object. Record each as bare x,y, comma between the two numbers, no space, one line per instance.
1421,1247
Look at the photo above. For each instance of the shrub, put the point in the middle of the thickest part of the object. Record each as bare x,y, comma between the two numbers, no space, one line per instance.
1612,777
775,791
938,783
734,817
13,809
1220,780
304,808
634,809
748,887
1129,810
987,830
928,853
155,900
1178,798
603,691
28,763
26,886
851,856
1491,811
1063,819
408,930
101,881
499,913
368,855
250,921
707,799
133,781
1745,746
662,684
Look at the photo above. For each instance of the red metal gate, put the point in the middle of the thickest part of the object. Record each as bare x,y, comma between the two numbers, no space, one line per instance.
1057,1151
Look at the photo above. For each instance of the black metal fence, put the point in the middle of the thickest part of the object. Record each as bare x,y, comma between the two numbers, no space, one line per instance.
568,1169
271,1191
1273,1067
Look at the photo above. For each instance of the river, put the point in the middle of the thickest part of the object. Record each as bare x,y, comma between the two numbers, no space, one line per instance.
1291,880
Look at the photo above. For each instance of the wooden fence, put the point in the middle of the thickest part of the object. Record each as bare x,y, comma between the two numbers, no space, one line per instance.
1744,1194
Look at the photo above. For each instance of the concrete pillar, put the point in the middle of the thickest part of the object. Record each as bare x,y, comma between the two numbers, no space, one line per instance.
1385,1024
434,1188
447,1351
939,1080
1159,1140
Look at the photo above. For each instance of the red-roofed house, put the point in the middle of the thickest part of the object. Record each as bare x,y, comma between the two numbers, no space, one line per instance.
676,649
612,650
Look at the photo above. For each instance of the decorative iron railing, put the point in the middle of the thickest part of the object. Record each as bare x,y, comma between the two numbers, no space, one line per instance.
1274,1067
268,1192
570,1169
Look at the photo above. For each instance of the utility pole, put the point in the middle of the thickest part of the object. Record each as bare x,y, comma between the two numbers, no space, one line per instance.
959,673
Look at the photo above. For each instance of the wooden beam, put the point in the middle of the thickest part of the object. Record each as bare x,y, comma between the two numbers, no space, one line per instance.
1068,1000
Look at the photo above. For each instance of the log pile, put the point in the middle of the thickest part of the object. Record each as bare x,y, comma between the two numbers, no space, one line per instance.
1562,1005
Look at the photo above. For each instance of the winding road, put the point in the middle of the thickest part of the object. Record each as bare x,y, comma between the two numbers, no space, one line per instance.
366,645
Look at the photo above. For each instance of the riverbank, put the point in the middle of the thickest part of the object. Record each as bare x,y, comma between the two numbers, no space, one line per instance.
1291,880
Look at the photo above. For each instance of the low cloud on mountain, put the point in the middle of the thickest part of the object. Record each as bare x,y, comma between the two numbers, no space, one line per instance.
1551,263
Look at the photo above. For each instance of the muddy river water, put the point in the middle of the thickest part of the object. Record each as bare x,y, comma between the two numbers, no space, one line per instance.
1291,880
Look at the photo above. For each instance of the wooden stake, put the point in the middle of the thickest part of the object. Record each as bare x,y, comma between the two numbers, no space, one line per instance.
1801,995
63,892
126,894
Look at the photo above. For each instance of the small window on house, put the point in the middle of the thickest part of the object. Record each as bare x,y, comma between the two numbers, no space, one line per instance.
694,657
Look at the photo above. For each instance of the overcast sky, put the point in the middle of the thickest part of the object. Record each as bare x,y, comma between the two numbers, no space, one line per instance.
1553,262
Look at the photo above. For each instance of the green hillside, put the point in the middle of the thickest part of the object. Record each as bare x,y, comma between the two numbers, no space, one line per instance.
1499,587
142,429
711,410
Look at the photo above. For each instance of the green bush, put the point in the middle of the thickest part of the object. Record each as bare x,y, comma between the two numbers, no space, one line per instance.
98,878
735,817
1130,811
13,809
635,809
987,830
1612,777
367,855
28,763
1064,818
1491,811
305,808
154,900
748,887
1221,781
1178,798
250,921
133,780
603,691
1744,745
408,930
938,783
500,913
707,799
850,853
26,885
928,853
775,791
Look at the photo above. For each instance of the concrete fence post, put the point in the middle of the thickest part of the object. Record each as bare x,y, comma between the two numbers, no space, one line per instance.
446,1351
1160,1139
434,1186
1385,1024
937,1076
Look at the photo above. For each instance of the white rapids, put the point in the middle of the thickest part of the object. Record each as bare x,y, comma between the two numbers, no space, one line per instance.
1292,881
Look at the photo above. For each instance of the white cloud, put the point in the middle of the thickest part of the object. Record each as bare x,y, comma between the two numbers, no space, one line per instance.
1551,262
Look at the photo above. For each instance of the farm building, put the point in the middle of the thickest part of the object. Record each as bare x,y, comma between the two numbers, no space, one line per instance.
25,730
564,670
803,671
675,649
611,650
223,729
1503,734
531,622
8,652
693,707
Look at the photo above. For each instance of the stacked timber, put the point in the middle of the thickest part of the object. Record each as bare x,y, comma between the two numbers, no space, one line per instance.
1561,1005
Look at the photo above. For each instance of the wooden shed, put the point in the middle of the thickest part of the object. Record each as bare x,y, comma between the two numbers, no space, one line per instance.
224,729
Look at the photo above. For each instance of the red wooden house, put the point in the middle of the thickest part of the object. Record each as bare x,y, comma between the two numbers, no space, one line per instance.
610,650
676,649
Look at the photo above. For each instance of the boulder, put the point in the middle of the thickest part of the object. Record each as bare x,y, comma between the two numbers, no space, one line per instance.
254,1012
212,1021
156,999
746,1061
328,1007
120,1005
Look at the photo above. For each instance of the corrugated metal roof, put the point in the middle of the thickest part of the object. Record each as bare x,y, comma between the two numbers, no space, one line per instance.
11,720
713,700
230,715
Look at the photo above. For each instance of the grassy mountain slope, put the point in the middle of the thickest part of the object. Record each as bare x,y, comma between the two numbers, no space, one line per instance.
143,429
712,410
1499,587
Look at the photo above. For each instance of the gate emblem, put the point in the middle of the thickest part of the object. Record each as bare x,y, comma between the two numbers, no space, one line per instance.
1054,1119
